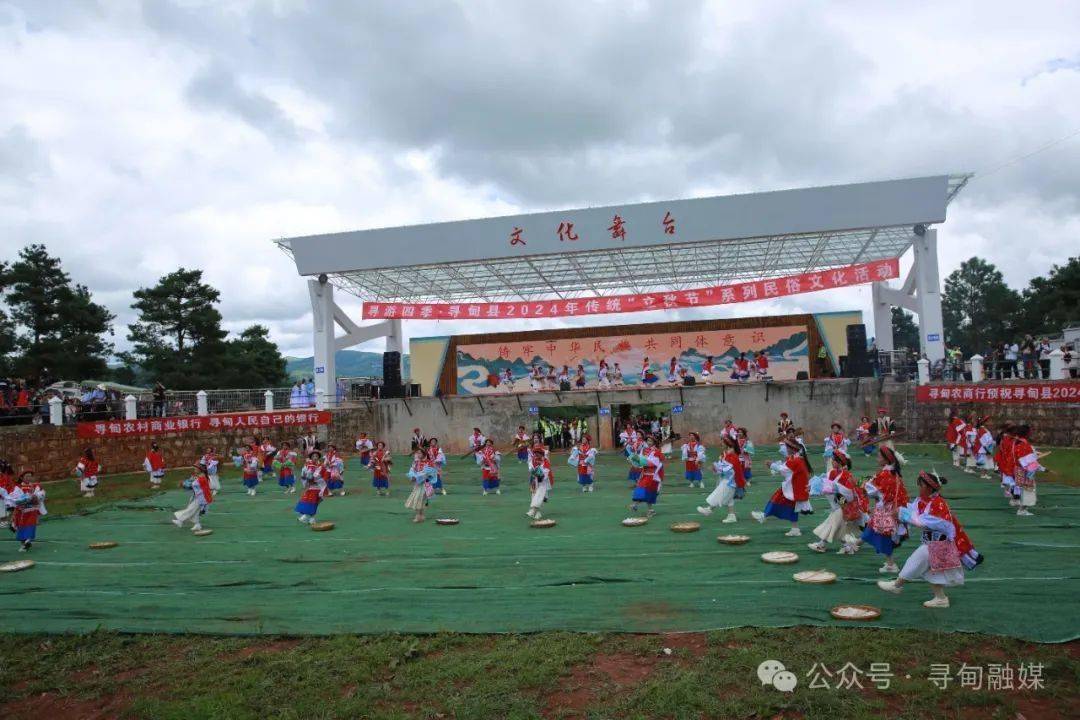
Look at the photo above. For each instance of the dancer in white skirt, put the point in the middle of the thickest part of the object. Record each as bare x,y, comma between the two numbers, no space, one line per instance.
946,550
540,480
845,519
423,474
730,482
1027,466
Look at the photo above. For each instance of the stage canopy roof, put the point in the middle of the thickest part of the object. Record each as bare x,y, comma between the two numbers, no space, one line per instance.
641,247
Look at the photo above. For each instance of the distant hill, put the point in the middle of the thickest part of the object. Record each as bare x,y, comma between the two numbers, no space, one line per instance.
350,363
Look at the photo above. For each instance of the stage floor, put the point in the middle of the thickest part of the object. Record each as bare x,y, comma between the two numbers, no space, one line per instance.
262,572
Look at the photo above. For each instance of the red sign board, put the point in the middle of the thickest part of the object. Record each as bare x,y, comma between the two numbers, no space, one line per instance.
257,422
1060,391
699,297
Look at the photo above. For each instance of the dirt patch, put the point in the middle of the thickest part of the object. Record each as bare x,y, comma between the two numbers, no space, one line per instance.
570,701
695,644
58,707
269,648
576,692
623,668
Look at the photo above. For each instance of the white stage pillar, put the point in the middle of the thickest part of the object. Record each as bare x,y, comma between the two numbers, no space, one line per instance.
322,316
928,296
268,400
200,403
131,411
924,371
883,329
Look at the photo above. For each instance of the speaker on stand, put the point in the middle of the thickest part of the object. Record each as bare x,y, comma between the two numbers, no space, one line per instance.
392,375
858,360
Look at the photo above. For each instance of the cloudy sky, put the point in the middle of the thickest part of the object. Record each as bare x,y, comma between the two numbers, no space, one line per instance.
136,137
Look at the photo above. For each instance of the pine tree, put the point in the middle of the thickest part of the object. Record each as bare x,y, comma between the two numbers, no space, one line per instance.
178,339
59,328
256,360
979,309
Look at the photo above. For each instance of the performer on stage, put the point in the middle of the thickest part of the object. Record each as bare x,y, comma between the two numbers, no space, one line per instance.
730,482
583,457
707,370
380,469
648,377
792,498
579,378
28,503
673,371
836,440
616,375
313,479
945,550
201,497
508,380
541,480
602,380
845,519
884,532
437,460
422,473
285,466
87,471
740,369
154,463
210,461
490,461
249,469
693,455
954,437
651,462
1027,465
521,444
364,446
335,471
761,365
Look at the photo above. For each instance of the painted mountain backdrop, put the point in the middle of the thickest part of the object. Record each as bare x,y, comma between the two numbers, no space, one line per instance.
350,363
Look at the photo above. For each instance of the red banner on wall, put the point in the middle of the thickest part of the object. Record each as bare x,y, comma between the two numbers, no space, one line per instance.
227,421
699,297
1061,391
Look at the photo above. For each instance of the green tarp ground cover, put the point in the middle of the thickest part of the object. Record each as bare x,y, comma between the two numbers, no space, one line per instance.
263,572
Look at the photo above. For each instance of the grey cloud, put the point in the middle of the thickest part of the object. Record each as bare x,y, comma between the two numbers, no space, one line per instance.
216,88
22,158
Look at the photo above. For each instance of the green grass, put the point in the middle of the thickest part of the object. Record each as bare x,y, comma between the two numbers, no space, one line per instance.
516,676
546,674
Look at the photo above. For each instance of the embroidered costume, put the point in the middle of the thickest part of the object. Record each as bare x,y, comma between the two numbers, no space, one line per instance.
201,497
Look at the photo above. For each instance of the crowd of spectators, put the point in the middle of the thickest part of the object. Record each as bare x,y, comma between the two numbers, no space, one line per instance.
1026,359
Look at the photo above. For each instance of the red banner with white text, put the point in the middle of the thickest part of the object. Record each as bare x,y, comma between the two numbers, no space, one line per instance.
640,302
257,422
1061,391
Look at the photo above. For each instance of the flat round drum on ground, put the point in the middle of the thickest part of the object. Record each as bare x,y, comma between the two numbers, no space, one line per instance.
202,532
446,521
322,526
855,612
104,545
17,565
634,521
733,539
685,527
815,577
780,557
545,523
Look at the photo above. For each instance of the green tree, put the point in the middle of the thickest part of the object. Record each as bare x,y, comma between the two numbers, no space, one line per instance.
60,330
1051,303
905,330
979,308
255,360
7,327
178,339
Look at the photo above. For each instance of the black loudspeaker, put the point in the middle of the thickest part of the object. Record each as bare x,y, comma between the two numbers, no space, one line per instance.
391,368
689,380
393,391
858,360
802,375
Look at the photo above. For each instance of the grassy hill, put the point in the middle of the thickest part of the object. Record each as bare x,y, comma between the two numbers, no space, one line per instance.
350,363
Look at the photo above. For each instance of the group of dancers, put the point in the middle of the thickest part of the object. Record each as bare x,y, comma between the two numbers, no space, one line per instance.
876,512
743,368
975,449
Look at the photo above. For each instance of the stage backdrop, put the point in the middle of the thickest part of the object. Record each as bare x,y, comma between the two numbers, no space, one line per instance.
478,365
